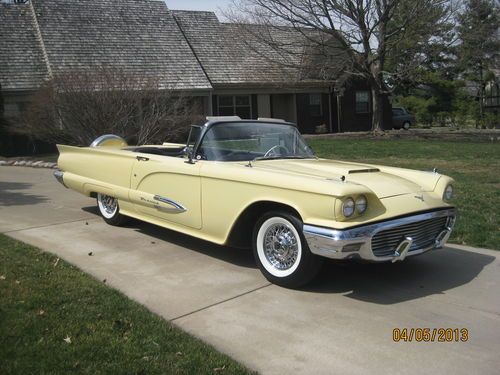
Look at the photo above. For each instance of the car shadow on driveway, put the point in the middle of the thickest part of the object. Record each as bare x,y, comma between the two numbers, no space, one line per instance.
388,283
11,194
380,283
238,257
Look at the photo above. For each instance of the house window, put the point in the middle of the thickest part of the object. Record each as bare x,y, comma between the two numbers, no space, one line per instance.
492,95
235,105
362,102
12,109
315,107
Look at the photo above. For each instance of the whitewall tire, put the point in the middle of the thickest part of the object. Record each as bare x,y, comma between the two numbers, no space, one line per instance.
110,210
281,250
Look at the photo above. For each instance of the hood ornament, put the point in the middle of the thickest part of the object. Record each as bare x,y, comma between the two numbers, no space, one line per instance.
420,197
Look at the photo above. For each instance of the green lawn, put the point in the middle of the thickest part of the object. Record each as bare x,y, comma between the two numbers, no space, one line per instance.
474,166
55,319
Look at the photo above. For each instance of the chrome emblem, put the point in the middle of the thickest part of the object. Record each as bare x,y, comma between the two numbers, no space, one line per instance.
420,197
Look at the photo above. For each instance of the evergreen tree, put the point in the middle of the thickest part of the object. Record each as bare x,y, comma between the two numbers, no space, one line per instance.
479,49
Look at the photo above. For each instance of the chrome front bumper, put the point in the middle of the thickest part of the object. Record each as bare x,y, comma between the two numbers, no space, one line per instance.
356,243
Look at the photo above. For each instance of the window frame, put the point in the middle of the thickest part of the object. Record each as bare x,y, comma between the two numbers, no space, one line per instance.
368,106
234,106
398,112
311,105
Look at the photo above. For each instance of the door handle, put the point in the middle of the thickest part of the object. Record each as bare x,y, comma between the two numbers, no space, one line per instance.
142,158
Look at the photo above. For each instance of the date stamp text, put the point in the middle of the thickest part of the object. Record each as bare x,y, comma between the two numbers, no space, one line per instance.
430,334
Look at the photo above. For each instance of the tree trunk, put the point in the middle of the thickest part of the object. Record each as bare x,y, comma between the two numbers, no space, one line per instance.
377,110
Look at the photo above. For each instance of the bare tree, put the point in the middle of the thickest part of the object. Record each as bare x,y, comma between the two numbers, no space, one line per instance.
366,33
76,108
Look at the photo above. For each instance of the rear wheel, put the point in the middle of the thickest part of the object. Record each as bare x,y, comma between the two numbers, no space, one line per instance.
281,250
110,210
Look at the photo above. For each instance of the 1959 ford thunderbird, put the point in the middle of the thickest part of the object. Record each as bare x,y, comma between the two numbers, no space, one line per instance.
256,183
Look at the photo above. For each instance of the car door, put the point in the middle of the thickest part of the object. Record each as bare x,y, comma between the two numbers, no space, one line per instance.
167,188
397,117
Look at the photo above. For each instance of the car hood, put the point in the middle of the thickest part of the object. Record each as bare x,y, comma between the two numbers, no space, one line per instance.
384,184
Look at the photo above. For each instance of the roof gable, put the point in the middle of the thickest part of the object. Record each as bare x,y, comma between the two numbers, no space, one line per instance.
234,54
223,54
137,37
22,65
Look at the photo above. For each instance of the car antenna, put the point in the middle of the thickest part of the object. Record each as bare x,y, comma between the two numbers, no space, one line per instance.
342,178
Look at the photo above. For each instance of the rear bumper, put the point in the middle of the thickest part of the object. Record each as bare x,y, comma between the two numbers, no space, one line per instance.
59,177
356,243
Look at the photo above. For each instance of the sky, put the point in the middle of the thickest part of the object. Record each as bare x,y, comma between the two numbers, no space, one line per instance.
212,5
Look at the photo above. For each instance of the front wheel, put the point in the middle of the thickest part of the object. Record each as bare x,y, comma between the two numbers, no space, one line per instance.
406,125
281,250
110,210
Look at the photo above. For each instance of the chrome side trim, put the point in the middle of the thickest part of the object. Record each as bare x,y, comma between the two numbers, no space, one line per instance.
174,206
59,177
329,242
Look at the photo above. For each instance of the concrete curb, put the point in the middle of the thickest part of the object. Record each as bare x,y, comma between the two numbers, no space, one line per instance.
28,163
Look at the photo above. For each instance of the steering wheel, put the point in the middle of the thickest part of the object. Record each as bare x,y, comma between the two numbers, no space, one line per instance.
272,151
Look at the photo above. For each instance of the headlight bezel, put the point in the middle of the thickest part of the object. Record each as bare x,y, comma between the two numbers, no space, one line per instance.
448,193
353,206
361,206
349,201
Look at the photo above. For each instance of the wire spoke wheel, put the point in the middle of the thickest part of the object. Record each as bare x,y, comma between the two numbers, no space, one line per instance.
281,251
110,210
280,246
108,206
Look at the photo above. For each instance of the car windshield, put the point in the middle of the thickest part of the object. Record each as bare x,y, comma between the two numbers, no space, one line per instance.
253,141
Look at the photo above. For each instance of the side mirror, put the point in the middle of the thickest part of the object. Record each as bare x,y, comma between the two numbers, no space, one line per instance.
188,151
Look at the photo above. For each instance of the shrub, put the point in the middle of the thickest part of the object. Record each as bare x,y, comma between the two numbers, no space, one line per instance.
77,108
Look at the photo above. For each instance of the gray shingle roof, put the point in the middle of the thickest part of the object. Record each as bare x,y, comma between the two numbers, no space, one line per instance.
137,37
231,56
21,59
141,38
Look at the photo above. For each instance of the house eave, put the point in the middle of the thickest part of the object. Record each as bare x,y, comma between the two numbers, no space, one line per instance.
274,86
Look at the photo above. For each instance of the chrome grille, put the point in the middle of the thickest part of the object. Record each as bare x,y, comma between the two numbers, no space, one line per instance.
423,233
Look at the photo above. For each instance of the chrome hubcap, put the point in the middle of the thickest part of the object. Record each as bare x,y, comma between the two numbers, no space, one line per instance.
280,246
109,204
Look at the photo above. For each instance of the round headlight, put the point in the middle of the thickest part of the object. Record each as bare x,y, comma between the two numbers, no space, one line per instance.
348,207
361,204
448,193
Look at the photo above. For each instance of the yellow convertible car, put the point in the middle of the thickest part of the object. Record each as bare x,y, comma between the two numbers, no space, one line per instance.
256,183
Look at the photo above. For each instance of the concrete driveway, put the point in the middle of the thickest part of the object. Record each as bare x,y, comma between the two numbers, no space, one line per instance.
342,324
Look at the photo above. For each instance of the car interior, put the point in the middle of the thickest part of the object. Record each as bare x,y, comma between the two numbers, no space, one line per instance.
165,151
